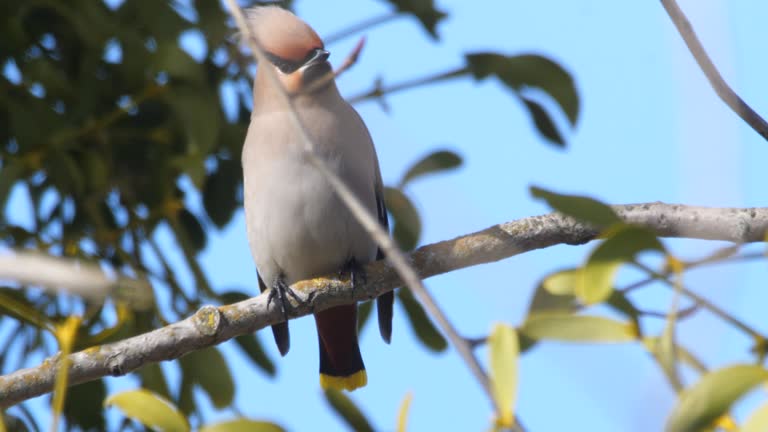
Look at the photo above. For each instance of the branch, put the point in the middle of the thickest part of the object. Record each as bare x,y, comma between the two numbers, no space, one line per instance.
722,89
378,91
57,274
361,26
214,325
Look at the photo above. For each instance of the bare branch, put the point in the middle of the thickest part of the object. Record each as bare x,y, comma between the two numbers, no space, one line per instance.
722,88
214,325
378,91
361,26
57,274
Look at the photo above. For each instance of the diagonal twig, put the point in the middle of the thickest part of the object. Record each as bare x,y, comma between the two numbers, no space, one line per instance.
722,88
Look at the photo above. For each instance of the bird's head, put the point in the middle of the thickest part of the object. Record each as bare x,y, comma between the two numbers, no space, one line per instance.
292,48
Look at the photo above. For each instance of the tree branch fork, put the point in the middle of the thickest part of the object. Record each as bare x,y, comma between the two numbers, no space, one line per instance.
213,325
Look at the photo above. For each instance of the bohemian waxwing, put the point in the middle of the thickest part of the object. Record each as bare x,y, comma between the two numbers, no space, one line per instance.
297,226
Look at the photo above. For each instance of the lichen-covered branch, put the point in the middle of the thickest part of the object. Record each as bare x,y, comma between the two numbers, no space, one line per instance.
213,325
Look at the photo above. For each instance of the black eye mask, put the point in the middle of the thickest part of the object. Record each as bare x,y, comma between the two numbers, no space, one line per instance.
290,66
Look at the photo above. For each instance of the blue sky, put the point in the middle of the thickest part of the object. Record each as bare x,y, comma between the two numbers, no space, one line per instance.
650,129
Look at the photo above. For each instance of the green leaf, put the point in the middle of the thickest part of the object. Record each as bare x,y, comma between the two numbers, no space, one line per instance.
178,64
33,122
619,302
700,405
420,323
193,229
434,162
10,173
242,425
504,352
83,405
424,10
407,222
198,117
96,171
757,421
149,409
561,283
251,345
348,411
624,242
685,356
543,122
157,18
363,314
555,294
213,22
578,328
220,192
208,369
581,208
153,379
519,72
65,173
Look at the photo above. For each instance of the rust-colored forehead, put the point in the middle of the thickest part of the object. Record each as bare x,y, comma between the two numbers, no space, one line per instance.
282,33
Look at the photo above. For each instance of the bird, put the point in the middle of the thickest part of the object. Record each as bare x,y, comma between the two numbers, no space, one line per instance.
297,226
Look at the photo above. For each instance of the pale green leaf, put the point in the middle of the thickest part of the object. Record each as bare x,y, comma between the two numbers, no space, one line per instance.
211,372
581,208
504,352
434,162
348,411
578,328
757,421
561,283
242,425
594,283
524,71
703,403
149,409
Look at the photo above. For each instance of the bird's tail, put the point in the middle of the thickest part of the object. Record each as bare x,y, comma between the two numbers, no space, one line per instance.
341,365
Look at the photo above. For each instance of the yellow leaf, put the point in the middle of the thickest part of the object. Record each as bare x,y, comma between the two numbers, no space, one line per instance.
65,334
757,421
149,409
504,352
242,425
702,404
402,415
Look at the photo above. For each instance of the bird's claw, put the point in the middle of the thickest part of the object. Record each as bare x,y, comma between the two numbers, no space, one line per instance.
357,275
282,291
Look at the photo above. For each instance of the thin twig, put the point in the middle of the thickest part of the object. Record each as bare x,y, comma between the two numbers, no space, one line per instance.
722,88
361,26
378,90
681,314
704,303
398,260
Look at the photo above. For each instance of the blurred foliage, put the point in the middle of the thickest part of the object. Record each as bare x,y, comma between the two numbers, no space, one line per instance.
112,128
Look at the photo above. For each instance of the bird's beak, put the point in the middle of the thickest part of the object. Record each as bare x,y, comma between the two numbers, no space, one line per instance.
320,56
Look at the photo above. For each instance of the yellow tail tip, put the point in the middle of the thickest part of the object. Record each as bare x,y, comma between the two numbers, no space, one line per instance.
349,382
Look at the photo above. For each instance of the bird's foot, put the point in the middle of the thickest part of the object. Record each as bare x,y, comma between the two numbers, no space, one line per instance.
282,291
357,274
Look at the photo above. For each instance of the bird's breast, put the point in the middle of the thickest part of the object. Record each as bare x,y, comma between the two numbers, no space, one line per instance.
297,225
